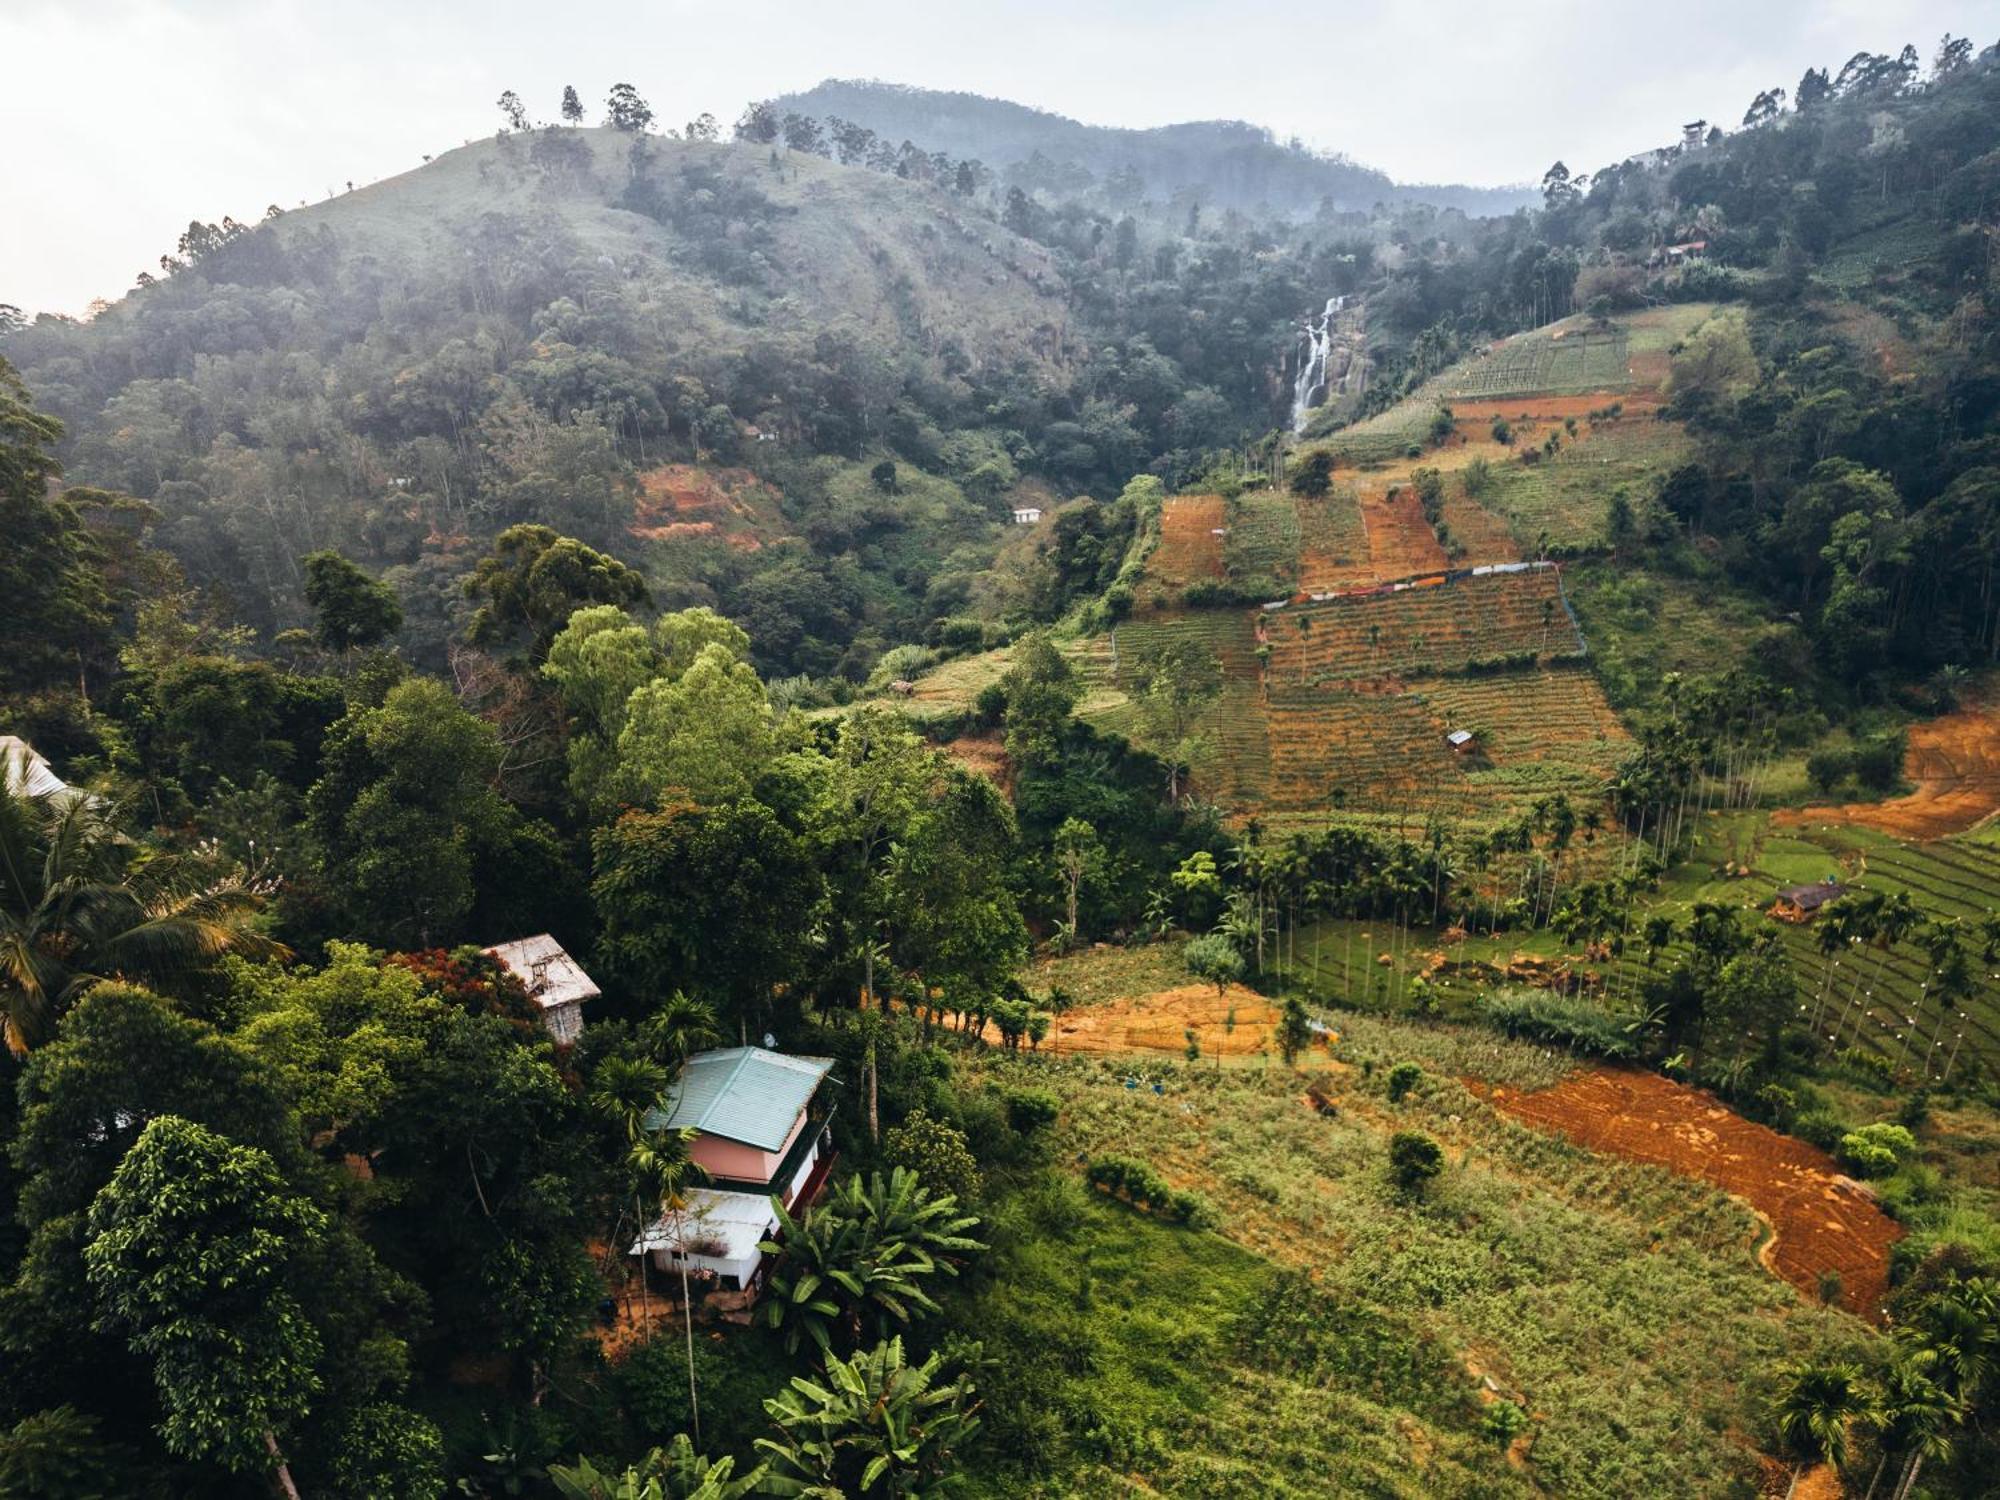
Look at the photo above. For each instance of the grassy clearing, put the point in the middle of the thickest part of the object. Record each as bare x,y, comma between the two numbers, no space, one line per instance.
1643,624
1261,550
1563,501
1619,1305
1567,358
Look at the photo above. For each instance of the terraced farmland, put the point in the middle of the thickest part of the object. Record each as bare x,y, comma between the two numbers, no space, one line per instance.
1436,628
1376,750
1333,539
1542,732
1190,548
1262,543
1563,501
1571,358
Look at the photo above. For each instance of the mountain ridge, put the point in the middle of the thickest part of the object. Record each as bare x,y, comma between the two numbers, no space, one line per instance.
1246,166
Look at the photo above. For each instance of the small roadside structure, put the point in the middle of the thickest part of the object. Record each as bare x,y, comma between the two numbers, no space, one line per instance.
1462,741
1801,903
1027,515
763,1123
554,981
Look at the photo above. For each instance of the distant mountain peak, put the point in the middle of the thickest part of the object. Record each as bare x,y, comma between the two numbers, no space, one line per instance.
1222,163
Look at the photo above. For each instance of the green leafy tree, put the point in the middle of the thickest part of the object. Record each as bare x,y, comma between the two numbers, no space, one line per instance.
1041,691
1174,684
870,1425
675,1472
625,110
1414,1160
1213,959
716,901
60,609
79,902
1816,1408
534,579
188,1251
936,1151
1079,856
350,609
413,837
383,1451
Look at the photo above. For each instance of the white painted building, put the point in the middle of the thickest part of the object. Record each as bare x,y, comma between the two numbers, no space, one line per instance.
1027,515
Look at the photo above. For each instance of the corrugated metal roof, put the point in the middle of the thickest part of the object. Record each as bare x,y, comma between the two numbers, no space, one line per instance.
742,1094
550,974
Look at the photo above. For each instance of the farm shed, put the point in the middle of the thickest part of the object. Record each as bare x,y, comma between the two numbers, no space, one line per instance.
1801,903
1027,515
1460,740
555,982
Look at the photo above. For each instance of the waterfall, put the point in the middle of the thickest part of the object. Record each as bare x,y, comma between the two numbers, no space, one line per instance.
1309,387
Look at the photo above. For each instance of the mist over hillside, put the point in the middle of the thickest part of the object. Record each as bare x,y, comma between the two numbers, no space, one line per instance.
1218,163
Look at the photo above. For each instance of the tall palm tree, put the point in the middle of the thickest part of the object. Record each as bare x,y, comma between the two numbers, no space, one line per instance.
1815,1407
677,1030
1916,1418
80,902
625,1091
663,1171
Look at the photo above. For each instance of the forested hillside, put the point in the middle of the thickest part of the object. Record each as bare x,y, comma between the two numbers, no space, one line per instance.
1444,942
1217,164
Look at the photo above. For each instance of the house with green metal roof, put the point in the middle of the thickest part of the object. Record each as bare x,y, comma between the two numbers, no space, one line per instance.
763,1130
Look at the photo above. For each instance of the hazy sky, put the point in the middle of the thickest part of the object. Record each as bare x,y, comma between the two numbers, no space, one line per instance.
123,119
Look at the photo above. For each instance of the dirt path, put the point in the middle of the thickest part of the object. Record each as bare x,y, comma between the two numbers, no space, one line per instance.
1954,762
1821,1221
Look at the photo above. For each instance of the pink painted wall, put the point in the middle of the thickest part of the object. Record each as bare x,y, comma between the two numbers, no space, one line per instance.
724,1158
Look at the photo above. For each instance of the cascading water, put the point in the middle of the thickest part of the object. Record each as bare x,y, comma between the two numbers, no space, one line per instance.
1309,387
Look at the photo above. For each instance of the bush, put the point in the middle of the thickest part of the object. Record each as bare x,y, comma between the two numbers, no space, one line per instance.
1819,1127
1577,1025
1032,1110
1504,1422
1876,1150
1414,1159
1402,1078
1878,765
936,1151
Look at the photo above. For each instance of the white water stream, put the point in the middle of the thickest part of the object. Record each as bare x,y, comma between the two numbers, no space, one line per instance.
1309,386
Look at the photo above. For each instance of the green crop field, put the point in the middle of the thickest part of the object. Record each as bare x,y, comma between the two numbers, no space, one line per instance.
1621,1306
1427,629
1563,500
1262,544
1570,358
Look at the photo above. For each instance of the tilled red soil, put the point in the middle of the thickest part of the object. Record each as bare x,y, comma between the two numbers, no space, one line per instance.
1822,1221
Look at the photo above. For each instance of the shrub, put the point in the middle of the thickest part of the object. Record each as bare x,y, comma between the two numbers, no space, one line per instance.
936,1151
1819,1127
1032,1110
1215,959
1503,431
1414,1159
1504,1422
1876,1150
1577,1025
1402,1078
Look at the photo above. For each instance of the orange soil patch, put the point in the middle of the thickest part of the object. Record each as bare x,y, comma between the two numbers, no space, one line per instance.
1820,1220
1189,548
1159,1022
1400,540
983,755
688,501
1484,409
1955,763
